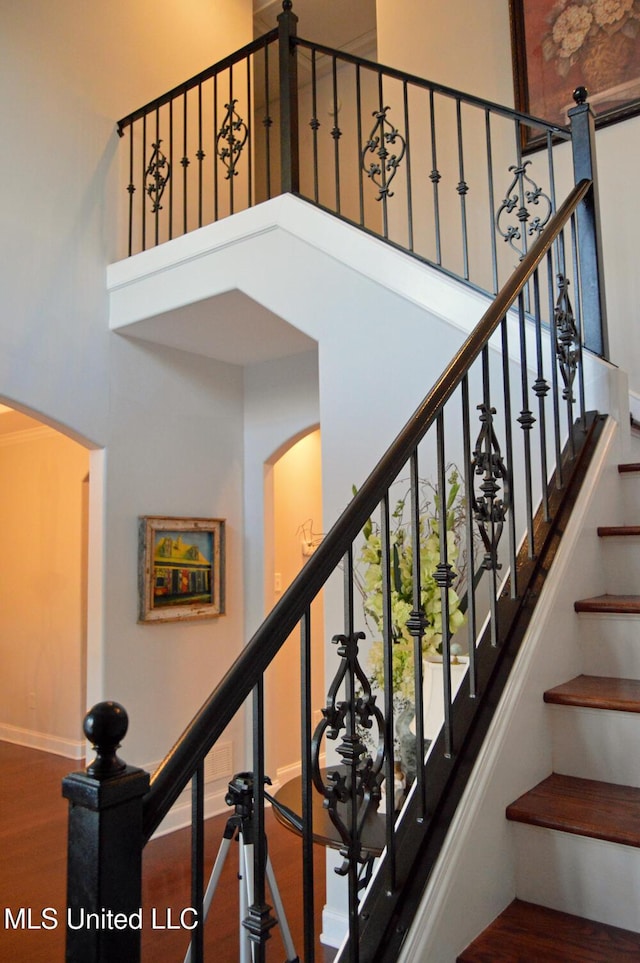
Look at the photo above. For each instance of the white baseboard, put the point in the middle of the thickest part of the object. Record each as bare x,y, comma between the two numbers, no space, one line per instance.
334,928
179,816
57,745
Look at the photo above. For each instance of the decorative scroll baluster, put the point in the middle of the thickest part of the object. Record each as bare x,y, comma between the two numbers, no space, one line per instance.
566,338
381,172
490,511
520,198
349,718
230,139
567,348
157,176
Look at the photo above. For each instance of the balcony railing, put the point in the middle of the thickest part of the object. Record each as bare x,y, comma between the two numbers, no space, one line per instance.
435,172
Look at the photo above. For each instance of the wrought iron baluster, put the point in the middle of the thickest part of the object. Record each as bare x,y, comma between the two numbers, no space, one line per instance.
444,580
408,167
526,421
567,350
336,133
216,188
553,363
579,326
382,171
144,172
489,509
541,389
340,787
416,625
259,921
462,189
314,123
131,190
522,194
200,155
388,643
470,544
508,434
250,128
358,142
308,899
157,174
197,862
435,177
267,122
184,162
230,142
170,227
492,203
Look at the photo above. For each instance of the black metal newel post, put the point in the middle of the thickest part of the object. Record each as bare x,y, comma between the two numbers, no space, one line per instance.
594,312
289,154
104,875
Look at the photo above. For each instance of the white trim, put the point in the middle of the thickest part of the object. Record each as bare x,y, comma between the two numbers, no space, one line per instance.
369,256
69,748
334,927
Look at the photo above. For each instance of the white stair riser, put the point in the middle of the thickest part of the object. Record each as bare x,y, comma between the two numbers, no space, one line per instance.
621,564
596,744
575,874
629,490
611,645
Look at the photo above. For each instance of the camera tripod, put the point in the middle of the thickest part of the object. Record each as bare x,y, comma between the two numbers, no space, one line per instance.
241,826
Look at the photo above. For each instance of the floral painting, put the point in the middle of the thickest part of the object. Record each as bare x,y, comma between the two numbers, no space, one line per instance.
559,45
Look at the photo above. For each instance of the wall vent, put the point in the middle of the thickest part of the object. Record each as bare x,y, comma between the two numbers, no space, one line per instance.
219,763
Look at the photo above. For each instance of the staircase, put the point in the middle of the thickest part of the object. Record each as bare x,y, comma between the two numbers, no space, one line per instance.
577,832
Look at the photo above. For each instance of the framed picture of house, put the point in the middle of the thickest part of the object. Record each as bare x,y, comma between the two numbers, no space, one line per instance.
559,45
180,568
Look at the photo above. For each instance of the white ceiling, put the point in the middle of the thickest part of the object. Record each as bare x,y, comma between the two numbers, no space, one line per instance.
230,327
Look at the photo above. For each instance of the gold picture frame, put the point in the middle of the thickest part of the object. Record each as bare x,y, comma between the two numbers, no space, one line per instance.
181,564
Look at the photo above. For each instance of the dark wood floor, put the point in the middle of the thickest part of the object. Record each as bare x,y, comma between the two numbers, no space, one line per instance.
33,829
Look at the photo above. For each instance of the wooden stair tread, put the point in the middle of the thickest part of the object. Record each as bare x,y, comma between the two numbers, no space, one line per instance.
629,467
583,807
612,604
597,692
525,933
618,530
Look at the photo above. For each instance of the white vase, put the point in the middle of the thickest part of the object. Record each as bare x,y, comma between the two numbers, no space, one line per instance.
433,693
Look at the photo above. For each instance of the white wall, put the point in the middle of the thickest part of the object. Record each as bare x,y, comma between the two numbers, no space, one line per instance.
43,520
171,424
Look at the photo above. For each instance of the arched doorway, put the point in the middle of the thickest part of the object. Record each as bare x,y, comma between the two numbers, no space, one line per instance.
293,527
44,495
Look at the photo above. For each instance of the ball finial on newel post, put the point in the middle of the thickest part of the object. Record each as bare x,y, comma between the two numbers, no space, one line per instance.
580,95
105,726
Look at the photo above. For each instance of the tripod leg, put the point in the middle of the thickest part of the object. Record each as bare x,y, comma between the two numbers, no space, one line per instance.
216,872
246,896
292,956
